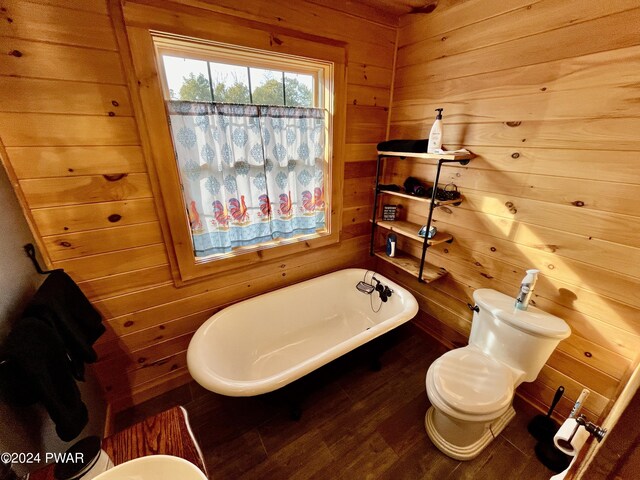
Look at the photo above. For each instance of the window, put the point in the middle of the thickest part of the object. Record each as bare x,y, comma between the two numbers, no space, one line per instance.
197,43
251,133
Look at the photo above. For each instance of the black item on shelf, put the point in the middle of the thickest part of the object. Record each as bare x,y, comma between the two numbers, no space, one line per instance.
391,187
542,427
451,194
413,186
409,146
446,193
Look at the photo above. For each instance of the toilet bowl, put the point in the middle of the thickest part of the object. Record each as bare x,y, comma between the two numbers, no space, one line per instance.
471,396
471,388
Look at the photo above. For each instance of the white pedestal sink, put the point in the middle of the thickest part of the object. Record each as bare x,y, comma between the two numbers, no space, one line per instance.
154,467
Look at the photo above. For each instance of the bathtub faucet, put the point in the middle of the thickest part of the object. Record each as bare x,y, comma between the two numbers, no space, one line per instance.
384,291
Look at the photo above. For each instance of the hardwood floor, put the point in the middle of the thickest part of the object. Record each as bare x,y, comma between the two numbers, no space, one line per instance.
356,424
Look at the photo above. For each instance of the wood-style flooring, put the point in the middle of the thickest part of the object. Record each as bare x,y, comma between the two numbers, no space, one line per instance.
356,423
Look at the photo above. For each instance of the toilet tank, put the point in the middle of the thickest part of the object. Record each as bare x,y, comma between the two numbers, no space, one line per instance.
522,339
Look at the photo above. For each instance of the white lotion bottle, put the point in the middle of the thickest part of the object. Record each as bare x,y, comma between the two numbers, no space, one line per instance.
526,289
435,136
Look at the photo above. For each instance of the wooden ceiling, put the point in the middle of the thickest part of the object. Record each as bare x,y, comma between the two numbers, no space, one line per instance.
401,7
384,11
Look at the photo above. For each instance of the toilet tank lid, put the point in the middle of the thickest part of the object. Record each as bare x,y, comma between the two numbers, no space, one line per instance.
533,320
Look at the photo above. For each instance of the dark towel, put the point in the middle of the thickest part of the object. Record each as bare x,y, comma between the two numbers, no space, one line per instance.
409,146
60,302
38,370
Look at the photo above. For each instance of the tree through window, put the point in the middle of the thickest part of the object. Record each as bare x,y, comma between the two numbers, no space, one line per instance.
202,81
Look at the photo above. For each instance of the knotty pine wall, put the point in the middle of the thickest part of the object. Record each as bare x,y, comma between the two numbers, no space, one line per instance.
543,92
546,93
69,132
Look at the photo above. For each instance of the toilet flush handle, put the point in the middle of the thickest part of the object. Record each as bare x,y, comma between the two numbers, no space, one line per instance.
474,308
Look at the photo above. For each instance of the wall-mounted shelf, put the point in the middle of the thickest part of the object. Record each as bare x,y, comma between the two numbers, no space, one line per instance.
421,199
411,265
410,230
463,158
425,272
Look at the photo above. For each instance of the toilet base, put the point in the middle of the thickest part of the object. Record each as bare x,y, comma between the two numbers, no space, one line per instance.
470,450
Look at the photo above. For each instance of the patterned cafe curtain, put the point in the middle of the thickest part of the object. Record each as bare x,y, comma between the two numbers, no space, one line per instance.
250,174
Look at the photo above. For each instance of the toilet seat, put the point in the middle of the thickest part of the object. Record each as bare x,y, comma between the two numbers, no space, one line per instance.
468,384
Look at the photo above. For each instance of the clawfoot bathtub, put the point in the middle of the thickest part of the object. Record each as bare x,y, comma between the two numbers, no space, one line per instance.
264,343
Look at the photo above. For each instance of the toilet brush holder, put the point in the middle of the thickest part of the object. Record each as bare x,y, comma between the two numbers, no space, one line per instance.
551,457
543,427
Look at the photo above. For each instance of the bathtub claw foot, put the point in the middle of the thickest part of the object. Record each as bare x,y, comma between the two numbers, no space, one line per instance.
295,411
375,365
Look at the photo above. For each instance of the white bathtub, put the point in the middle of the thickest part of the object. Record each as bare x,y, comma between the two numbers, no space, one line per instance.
264,343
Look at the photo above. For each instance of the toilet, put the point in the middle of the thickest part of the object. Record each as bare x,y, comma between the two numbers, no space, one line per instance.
471,388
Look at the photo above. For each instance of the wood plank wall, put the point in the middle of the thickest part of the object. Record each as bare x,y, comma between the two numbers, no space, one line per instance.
71,146
546,93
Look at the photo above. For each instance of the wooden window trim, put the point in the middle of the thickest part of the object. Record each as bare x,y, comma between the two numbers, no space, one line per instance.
145,80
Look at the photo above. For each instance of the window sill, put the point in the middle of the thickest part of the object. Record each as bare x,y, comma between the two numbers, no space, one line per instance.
201,268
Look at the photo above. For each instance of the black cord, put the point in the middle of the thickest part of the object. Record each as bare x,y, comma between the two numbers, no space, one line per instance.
364,279
371,302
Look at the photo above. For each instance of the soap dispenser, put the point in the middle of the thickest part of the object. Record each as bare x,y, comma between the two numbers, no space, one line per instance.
435,136
391,244
526,289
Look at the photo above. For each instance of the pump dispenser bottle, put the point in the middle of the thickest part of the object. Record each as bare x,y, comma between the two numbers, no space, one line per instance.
435,136
391,244
526,289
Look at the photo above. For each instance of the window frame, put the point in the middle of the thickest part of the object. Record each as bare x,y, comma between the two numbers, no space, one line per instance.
216,53
147,63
